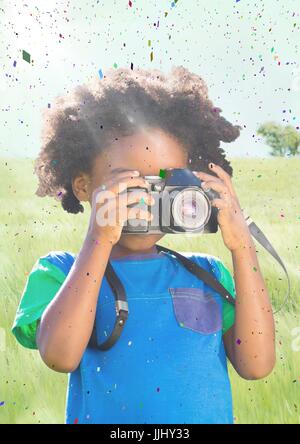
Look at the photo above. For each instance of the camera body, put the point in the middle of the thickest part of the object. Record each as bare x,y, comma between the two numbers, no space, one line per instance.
181,205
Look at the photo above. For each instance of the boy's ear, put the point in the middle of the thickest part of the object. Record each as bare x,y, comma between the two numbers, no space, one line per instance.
81,187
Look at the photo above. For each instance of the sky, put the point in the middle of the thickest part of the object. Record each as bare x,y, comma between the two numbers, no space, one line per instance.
246,51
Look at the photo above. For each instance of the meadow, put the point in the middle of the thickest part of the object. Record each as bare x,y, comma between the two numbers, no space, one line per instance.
31,226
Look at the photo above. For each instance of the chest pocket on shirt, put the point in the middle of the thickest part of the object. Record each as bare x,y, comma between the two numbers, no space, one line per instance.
196,309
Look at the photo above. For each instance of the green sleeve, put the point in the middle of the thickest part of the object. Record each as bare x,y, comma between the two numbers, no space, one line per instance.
227,281
42,284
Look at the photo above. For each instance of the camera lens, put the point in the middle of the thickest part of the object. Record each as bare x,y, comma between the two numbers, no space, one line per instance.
190,209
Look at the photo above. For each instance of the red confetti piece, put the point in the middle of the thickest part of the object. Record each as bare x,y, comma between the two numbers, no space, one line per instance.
76,421
130,3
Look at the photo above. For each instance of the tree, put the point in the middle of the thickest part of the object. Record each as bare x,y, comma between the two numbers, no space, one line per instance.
291,139
282,140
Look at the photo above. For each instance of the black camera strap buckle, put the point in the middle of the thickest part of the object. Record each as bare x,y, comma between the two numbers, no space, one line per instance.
121,311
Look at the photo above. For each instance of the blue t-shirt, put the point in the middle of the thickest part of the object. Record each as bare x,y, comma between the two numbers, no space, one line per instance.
169,364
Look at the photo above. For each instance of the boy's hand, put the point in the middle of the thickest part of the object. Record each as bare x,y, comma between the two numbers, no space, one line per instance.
109,205
235,231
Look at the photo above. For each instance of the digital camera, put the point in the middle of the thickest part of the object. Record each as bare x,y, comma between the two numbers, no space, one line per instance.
181,205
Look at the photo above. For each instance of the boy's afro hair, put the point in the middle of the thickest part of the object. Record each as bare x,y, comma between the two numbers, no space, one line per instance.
81,124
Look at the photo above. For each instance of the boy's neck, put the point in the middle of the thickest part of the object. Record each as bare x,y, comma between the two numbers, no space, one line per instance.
119,251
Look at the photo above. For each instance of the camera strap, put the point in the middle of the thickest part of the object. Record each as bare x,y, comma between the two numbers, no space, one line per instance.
205,276
122,304
201,273
261,238
121,311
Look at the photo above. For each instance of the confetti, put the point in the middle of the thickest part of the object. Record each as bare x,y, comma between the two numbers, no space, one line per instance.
162,173
26,56
238,341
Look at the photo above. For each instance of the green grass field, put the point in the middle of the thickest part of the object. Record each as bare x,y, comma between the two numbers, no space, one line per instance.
31,226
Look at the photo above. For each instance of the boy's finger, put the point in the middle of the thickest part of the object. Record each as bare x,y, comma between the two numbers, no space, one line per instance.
138,213
129,181
223,175
135,197
205,176
220,204
125,173
124,199
220,187
111,190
